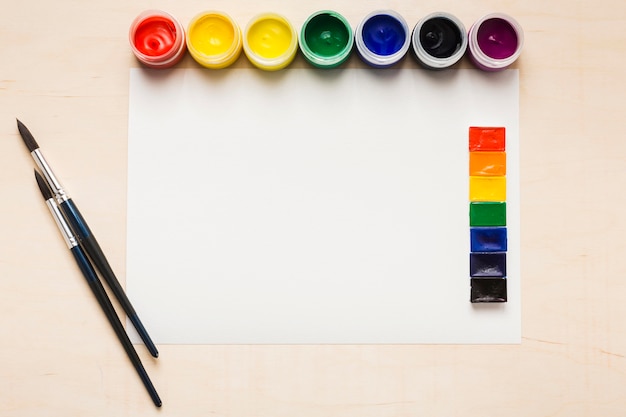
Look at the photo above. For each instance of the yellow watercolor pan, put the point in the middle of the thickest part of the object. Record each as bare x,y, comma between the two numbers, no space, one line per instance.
484,188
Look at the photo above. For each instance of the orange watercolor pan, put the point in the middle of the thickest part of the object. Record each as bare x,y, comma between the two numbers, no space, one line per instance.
487,163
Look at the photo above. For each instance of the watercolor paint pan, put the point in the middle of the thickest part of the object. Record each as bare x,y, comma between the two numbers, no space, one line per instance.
488,290
488,264
486,213
488,239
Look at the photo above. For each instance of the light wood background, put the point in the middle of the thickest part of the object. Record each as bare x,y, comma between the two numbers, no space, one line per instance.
64,71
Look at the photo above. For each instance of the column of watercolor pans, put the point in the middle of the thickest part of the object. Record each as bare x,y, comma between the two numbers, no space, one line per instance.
487,214
326,40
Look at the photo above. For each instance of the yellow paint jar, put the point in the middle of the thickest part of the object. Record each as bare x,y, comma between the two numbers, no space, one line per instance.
214,39
270,42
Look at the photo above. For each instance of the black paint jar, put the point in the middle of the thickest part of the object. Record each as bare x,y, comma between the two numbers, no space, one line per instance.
439,40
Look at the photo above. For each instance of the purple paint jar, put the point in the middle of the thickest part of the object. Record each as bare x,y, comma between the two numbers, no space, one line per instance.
495,41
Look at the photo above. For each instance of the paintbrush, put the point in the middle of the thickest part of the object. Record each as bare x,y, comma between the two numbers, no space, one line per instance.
84,235
96,286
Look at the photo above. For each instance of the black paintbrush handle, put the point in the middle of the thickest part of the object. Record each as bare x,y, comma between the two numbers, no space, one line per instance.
90,245
109,311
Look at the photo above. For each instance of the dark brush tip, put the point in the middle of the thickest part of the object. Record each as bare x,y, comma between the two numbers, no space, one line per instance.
43,186
27,137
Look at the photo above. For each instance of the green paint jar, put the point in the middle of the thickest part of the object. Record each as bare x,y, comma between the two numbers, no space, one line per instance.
326,39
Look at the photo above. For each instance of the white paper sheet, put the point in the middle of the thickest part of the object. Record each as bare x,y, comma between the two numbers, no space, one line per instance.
310,206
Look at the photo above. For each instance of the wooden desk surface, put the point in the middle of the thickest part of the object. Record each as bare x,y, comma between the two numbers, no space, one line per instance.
64,73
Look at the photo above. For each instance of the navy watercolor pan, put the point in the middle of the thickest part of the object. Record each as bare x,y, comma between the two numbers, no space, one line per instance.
488,265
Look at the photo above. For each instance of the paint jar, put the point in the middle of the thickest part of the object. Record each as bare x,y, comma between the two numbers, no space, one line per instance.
157,39
270,42
439,40
495,41
214,39
382,38
326,39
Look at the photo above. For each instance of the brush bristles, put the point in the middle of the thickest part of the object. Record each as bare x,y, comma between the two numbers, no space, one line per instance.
27,137
43,186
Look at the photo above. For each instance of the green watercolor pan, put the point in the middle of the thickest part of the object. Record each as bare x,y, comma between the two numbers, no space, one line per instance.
484,214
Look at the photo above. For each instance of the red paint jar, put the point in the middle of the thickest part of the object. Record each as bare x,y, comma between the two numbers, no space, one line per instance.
157,39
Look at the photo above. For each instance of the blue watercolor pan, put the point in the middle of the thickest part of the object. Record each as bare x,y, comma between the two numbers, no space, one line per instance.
488,239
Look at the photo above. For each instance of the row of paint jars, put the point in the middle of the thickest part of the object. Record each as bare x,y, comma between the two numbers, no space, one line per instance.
326,40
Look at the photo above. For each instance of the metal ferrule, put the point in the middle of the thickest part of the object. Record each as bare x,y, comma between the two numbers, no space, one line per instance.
51,179
66,232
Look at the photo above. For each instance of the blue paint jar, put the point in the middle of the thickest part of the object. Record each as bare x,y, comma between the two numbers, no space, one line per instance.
382,38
